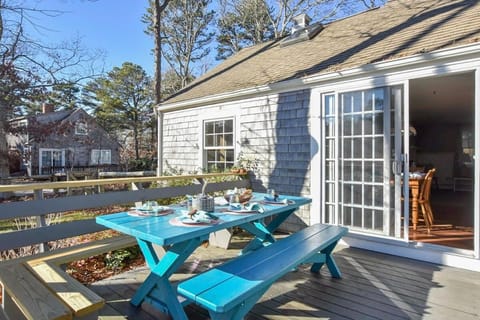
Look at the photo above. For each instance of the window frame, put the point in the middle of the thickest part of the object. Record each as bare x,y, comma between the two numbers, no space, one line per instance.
101,160
226,164
81,128
53,152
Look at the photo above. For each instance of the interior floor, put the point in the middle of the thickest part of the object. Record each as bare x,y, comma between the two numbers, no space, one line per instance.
453,220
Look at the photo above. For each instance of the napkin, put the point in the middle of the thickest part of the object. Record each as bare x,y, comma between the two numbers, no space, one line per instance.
220,201
202,216
270,198
251,206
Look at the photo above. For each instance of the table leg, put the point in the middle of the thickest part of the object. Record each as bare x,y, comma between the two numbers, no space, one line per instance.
264,233
415,193
156,288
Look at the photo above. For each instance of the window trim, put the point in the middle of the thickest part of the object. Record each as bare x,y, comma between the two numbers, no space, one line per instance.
81,128
205,149
51,151
215,113
101,160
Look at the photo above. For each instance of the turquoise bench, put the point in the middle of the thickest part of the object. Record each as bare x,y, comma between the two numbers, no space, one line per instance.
230,290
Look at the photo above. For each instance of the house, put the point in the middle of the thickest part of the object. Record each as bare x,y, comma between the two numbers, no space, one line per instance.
342,112
57,142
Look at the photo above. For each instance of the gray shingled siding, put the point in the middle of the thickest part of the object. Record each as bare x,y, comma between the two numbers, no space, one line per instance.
273,130
180,141
276,131
77,147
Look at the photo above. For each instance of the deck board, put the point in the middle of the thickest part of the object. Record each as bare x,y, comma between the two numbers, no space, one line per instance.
373,286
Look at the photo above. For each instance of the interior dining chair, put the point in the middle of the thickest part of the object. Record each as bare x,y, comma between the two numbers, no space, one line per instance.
424,199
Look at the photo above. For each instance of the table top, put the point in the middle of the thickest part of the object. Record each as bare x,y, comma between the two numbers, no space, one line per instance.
160,230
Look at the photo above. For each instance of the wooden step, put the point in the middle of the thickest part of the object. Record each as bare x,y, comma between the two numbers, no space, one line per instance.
25,294
75,295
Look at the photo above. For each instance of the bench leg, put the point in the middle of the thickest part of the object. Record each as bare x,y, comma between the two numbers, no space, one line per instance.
327,257
239,311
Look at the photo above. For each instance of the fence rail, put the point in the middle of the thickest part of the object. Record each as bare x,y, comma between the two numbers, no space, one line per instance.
51,170
39,207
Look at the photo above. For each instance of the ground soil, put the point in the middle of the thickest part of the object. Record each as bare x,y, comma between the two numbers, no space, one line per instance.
95,268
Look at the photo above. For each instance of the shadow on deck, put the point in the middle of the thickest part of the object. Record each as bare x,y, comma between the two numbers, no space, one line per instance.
373,286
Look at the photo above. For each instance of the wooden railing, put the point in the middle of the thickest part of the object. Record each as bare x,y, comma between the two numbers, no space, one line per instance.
52,170
161,187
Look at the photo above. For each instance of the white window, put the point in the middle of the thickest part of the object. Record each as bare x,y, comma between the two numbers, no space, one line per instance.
51,161
81,128
101,156
218,146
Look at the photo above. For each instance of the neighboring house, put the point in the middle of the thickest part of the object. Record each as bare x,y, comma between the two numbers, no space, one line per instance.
57,142
328,113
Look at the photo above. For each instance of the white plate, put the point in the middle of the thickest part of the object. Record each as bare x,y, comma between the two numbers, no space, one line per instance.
279,202
157,211
188,220
154,209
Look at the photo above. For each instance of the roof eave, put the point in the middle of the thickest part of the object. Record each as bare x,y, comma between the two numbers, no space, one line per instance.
299,83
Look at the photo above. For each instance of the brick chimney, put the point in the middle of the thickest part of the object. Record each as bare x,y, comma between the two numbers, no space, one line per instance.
47,108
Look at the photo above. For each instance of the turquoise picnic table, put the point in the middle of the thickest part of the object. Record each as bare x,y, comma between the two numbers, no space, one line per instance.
180,240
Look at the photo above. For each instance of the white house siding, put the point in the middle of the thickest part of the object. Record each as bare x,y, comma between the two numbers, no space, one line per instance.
272,129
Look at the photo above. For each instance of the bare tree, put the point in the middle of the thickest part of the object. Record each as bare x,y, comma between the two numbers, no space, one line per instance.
185,35
28,67
244,23
369,4
153,20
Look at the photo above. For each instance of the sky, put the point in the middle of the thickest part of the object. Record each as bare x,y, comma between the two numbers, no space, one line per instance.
113,26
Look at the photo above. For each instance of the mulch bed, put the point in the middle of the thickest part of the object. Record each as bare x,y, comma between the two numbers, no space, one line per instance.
95,269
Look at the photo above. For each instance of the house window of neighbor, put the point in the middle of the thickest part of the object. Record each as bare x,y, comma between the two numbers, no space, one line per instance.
101,156
81,128
219,152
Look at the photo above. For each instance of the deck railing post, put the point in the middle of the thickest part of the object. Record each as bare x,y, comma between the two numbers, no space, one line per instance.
137,186
41,221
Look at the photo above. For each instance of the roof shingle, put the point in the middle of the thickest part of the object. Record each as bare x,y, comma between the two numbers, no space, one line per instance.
398,29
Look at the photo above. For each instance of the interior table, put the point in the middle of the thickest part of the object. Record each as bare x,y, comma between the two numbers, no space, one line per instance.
181,240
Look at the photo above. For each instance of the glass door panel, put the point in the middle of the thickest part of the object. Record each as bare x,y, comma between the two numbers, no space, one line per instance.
360,152
51,160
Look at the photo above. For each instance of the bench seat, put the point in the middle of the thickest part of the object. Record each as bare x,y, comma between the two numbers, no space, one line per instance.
25,297
75,295
36,287
230,290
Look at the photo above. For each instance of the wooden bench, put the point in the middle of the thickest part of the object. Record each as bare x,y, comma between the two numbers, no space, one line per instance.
230,290
36,287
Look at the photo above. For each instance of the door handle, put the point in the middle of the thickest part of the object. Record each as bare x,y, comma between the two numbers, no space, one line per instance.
397,167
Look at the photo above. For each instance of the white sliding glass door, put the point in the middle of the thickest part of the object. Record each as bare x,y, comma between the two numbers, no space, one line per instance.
362,160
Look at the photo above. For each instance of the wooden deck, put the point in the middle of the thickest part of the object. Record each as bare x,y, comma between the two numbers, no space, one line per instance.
374,286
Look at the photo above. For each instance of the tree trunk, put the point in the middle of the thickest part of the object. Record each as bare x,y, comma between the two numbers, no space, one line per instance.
158,9
4,168
158,52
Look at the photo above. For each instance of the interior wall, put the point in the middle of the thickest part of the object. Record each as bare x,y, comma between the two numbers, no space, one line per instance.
441,108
